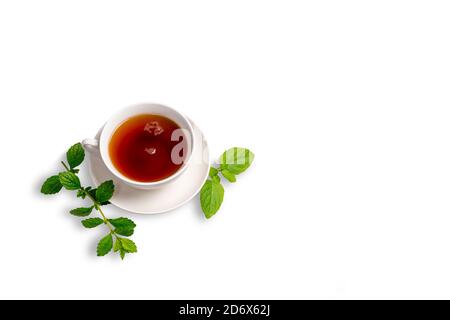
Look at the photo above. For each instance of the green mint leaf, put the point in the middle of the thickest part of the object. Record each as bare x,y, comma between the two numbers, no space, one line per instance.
128,245
117,245
126,232
213,172
51,186
229,176
75,155
69,180
122,223
104,191
92,222
92,193
124,226
211,197
105,245
216,179
122,254
236,160
81,212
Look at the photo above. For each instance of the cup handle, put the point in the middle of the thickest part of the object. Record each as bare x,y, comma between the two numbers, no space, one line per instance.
90,145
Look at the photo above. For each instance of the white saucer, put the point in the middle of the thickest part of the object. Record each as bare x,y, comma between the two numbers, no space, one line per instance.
165,198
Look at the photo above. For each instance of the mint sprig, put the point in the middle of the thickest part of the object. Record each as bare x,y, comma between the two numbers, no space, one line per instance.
99,196
232,162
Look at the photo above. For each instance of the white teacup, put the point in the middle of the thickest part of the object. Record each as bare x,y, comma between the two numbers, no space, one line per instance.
102,144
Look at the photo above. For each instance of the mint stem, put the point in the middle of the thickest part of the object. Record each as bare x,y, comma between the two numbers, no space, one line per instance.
65,166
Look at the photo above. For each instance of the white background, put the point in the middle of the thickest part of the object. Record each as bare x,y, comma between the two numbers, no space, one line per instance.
346,105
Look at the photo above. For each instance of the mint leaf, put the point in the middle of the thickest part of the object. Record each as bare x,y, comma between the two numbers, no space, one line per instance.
229,176
75,155
81,212
122,223
128,245
211,197
69,180
124,246
124,226
104,191
105,245
216,179
92,222
213,172
92,193
117,245
236,160
51,186
126,232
